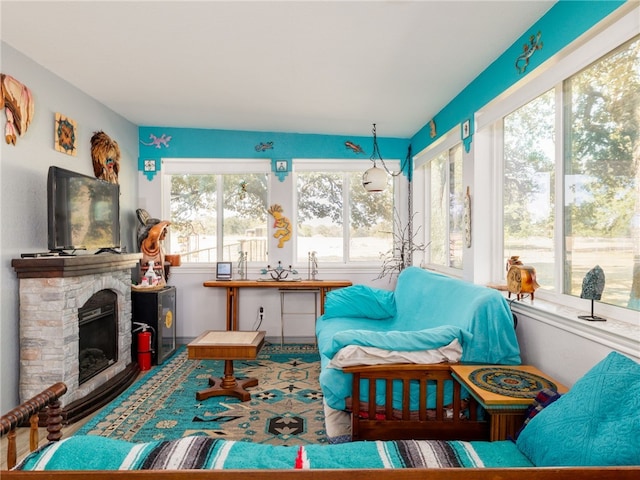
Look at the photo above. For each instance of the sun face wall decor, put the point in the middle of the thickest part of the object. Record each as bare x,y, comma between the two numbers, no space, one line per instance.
105,154
65,135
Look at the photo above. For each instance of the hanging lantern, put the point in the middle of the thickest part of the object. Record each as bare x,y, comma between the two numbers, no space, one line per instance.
374,179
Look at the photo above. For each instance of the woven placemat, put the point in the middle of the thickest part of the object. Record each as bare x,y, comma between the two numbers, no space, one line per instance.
510,382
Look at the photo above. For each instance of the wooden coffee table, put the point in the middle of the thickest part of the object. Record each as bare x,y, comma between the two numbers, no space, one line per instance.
506,412
227,346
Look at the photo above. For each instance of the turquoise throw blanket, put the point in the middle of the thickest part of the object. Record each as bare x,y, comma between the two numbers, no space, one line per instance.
199,452
426,310
426,299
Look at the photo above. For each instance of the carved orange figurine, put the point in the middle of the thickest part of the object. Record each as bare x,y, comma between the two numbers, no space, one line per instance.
281,224
521,279
152,250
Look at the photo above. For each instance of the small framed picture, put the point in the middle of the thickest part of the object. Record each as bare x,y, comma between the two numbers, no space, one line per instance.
65,135
466,129
282,166
150,165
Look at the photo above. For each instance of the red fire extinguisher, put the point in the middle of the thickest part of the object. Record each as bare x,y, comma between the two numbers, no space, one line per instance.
144,349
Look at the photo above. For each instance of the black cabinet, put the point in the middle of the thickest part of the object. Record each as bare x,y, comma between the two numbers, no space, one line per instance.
157,309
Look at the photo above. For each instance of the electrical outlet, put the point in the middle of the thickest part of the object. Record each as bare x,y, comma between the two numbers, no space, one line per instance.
261,312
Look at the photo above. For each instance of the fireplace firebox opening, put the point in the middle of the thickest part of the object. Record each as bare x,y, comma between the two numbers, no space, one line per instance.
98,337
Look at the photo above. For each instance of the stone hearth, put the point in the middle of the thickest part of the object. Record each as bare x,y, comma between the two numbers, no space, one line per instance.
52,289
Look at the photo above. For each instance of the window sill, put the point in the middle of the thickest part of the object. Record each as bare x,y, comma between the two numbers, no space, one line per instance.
617,334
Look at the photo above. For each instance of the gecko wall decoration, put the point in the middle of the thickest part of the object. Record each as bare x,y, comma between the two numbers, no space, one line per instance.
158,142
352,146
264,146
522,62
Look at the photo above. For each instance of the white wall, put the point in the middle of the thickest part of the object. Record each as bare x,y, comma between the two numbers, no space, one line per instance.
564,351
23,196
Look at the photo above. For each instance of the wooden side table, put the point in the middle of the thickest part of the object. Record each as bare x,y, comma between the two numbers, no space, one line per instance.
227,346
506,412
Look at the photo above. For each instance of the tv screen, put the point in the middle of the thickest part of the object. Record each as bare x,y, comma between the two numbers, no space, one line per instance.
83,212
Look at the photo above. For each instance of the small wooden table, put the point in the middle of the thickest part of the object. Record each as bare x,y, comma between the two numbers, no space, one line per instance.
506,413
227,346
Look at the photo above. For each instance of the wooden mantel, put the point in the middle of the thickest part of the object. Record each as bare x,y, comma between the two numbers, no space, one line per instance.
73,265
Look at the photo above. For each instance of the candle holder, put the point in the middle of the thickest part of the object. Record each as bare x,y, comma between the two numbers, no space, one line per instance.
312,265
279,273
242,265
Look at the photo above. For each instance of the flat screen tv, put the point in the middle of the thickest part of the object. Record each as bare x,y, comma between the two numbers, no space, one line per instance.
83,212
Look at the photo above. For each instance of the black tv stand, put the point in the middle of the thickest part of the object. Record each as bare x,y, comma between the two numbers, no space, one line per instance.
38,255
63,253
50,253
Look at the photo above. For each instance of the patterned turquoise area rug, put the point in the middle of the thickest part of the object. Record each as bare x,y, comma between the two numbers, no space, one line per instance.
285,407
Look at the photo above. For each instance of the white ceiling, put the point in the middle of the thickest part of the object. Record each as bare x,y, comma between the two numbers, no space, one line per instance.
331,67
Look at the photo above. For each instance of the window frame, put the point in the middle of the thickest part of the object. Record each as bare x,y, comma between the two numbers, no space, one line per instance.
422,175
209,166
343,165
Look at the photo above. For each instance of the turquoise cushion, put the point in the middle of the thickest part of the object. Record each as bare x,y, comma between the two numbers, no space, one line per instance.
597,423
360,301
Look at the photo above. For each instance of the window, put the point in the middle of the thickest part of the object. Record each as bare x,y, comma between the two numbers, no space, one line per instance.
528,186
594,116
602,175
446,207
215,214
337,218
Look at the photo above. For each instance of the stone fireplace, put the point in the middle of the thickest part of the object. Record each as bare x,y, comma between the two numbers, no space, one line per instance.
53,292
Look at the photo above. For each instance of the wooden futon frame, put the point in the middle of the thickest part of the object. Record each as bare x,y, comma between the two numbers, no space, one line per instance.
48,400
449,420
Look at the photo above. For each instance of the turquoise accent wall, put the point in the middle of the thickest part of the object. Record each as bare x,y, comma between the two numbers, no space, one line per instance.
205,143
561,25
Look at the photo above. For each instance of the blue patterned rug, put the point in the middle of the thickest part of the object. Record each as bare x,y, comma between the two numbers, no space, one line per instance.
285,407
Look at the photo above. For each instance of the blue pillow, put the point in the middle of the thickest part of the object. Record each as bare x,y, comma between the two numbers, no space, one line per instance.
596,423
360,301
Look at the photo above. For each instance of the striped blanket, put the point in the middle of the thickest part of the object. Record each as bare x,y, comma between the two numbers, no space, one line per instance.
199,452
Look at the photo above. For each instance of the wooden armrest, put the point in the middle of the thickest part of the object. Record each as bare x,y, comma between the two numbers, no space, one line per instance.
28,412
